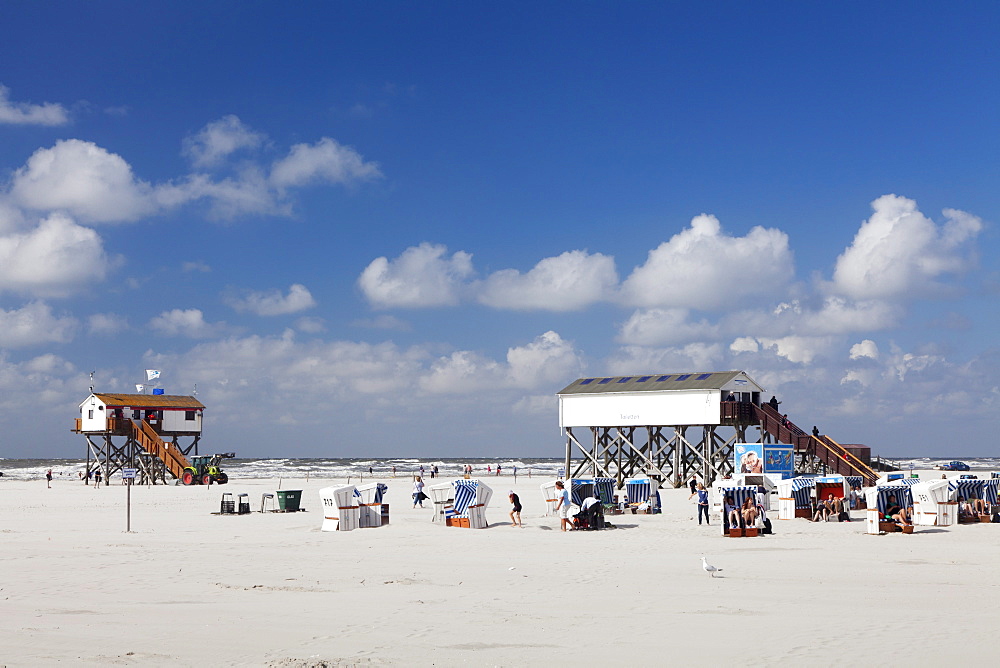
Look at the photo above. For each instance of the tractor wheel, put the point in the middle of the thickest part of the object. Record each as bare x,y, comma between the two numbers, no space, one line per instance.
187,478
221,479
206,479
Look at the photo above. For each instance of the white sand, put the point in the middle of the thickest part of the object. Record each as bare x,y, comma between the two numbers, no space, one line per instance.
190,588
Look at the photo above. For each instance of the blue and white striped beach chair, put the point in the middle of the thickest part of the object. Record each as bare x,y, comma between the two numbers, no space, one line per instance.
471,499
966,490
878,500
640,491
795,498
580,489
739,494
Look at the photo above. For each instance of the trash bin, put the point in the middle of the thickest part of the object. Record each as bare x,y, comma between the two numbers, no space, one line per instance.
289,500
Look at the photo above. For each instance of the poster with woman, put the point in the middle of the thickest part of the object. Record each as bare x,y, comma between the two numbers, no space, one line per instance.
748,458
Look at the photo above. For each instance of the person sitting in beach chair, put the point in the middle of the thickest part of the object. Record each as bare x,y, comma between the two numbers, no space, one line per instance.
971,508
749,512
895,512
734,517
823,511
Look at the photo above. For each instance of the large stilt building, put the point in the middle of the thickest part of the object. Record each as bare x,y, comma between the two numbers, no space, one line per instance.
152,433
675,426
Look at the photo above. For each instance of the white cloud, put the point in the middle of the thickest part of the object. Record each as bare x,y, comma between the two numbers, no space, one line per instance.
218,139
274,303
898,252
84,180
421,276
547,359
841,316
23,113
568,282
656,327
55,259
799,349
310,325
703,268
744,344
692,357
326,160
188,323
228,198
34,324
461,372
107,323
866,348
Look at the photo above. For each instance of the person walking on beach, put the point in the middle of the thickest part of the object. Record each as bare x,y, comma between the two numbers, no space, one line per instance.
418,492
515,474
515,513
563,506
97,478
48,478
498,470
693,485
702,503
394,471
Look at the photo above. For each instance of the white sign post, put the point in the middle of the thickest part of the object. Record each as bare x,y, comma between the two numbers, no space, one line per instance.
128,475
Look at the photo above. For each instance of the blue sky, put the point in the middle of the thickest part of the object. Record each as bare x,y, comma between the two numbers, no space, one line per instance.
400,228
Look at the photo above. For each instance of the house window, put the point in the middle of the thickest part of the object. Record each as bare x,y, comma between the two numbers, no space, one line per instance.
188,415
90,415
135,415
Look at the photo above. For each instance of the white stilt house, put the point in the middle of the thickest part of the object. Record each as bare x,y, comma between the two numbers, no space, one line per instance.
665,426
150,429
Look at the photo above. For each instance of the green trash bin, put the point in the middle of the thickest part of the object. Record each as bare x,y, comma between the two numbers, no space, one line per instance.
289,499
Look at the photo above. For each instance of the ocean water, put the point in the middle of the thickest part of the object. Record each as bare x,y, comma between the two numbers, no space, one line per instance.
34,469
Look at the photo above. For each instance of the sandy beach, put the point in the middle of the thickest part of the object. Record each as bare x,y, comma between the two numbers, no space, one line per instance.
186,587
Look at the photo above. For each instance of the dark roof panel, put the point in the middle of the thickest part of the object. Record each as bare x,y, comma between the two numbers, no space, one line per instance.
651,383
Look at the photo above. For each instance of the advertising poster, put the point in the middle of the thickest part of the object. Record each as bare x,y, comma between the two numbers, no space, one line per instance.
779,460
748,458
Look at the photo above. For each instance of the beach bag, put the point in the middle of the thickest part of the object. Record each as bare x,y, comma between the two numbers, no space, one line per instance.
423,496
767,526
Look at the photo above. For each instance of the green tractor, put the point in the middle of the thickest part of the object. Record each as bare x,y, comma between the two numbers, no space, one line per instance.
205,470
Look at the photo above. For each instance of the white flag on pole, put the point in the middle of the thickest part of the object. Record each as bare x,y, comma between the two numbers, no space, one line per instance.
140,388
152,373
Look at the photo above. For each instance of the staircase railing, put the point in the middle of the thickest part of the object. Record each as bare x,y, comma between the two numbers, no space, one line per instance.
151,442
832,454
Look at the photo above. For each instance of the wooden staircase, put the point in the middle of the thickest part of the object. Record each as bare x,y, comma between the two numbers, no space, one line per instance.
172,458
822,448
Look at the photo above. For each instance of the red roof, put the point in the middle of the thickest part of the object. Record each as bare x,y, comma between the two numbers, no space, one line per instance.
148,400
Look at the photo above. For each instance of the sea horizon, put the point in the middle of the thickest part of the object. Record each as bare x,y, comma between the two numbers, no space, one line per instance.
346,467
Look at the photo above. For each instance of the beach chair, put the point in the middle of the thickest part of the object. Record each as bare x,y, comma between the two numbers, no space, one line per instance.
968,490
551,496
856,482
740,495
835,485
370,507
932,504
795,498
340,508
580,489
991,486
443,498
643,495
877,498
471,500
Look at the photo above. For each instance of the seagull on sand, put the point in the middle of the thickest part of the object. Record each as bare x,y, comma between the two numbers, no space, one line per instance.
709,567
